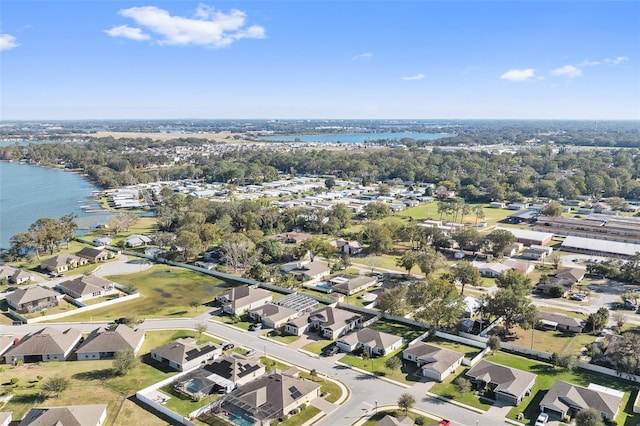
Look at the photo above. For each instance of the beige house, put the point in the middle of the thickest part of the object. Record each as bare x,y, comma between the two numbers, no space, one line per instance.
47,344
332,322
435,362
76,415
62,262
238,300
94,255
86,287
185,354
272,315
376,343
103,343
32,299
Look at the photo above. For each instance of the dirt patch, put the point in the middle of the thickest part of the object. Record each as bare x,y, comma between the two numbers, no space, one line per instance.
26,367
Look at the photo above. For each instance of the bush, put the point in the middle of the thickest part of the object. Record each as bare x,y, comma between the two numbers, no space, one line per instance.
420,421
15,380
462,384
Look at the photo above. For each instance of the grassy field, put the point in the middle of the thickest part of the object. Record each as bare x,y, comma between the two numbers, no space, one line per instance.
543,340
406,374
165,292
407,332
548,375
430,211
448,390
318,347
468,351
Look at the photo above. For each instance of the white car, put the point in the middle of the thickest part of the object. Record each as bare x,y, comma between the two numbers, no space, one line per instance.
542,419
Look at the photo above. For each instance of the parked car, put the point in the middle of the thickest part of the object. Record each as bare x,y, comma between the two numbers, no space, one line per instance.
542,419
121,320
578,297
332,350
226,346
250,352
255,326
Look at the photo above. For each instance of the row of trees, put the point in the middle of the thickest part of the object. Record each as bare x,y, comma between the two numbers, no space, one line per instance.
44,235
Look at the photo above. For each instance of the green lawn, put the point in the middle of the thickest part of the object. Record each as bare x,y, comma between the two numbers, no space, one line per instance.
331,391
318,347
547,376
286,339
183,404
468,351
407,332
235,321
165,292
63,306
430,211
299,419
448,390
376,366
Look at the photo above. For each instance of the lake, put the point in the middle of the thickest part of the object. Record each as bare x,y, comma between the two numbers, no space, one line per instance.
28,193
357,137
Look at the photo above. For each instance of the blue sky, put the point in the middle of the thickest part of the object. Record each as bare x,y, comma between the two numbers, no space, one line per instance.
93,59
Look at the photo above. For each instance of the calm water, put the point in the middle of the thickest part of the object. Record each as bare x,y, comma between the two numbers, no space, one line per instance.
28,193
357,137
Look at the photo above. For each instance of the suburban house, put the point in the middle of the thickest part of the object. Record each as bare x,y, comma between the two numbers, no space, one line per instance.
574,275
435,362
555,321
103,343
269,397
501,383
513,249
272,315
546,287
184,354
567,399
62,262
297,326
32,299
237,300
46,344
14,275
225,373
86,287
351,248
305,270
94,255
102,241
372,341
332,322
76,415
389,420
525,268
491,270
137,240
536,252
351,284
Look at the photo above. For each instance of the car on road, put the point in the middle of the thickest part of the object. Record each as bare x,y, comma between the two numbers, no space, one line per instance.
255,326
226,346
542,419
578,297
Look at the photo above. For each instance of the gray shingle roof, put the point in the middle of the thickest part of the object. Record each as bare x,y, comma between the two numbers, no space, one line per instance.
45,341
31,294
73,415
437,359
105,340
507,380
372,338
183,350
564,395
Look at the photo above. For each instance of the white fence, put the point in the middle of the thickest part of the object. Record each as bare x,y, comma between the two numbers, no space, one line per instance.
144,396
475,359
461,339
609,372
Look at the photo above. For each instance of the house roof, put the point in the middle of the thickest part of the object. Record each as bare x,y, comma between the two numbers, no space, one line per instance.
371,338
85,285
183,350
7,271
561,319
274,312
90,252
267,396
333,318
437,359
389,420
571,274
507,380
354,282
60,260
494,266
105,340
564,395
45,341
31,294
244,295
311,269
233,367
73,415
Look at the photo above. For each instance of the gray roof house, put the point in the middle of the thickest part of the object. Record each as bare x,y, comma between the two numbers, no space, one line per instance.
7,272
72,415
564,398
103,343
351,284
389,420
269,397
373,341
32,299
94,254
62,262
272,315
306,270
86,287
184,354
332,322
237,300
14,275
501,383
47,344
297,326
136,240
435,362
561,322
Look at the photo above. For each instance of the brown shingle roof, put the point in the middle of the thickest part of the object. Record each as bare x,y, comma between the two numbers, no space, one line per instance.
73,415
45,341
105,340
31,294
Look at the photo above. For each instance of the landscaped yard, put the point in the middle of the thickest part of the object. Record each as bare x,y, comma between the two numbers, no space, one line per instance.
448,390
318,347
543,340
232,320
468,351
165,292
406,374
548,375
63,306
407,332
183,404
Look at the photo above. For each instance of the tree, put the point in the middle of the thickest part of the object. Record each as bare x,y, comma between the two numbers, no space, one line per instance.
554,208
515,281
393,301
239,251
195,303
555,260
124,361
329,183
406,402
463,385
437,303
55,385
393,363
190,243
372,262
500,239
376,210
464,273
494,343
567,361
430,261
384,189
378,237
201,328
598,320
513,307
318,247
589,417
408,260
468,238
478,212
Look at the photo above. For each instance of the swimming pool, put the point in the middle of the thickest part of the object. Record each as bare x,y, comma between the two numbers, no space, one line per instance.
194,386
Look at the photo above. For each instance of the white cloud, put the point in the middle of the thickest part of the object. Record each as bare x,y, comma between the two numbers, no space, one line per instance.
587,63
567,71
519,75
617,61
206,28
127,32
414,77
366,55
7,42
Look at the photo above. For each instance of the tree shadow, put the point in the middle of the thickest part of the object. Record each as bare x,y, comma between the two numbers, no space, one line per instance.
104,374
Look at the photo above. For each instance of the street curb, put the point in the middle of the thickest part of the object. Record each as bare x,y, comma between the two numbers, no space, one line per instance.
393,382
366,417
272,341
454,402
311,354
